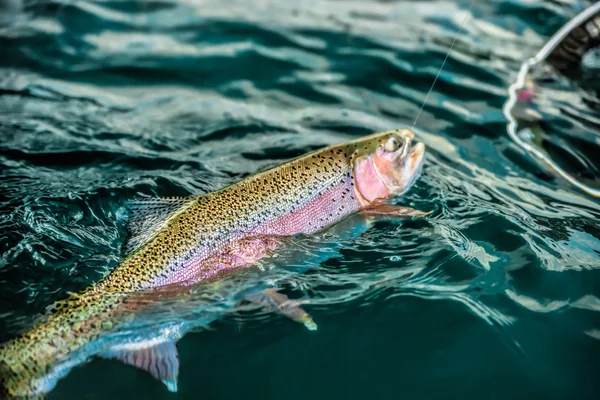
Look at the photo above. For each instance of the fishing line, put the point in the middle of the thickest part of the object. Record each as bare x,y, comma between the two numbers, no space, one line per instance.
444,62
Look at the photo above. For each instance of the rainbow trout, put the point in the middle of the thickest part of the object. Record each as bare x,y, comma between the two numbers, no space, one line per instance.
185,241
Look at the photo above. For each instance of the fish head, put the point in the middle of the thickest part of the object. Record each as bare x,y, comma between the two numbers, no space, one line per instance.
386,164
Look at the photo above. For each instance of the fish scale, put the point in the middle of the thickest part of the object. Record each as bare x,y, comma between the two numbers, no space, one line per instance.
201,238
213,221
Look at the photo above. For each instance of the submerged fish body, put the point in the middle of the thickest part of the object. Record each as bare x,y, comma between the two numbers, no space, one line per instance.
179,242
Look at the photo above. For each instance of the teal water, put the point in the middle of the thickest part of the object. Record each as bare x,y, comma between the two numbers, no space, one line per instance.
493,296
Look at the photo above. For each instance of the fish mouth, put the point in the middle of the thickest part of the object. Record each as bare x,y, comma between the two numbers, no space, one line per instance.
415,156
408,161
413,165
406,137
408,152
411,155
408,155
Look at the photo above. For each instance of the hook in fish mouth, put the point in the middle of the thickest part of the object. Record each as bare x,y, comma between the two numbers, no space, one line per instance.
399,168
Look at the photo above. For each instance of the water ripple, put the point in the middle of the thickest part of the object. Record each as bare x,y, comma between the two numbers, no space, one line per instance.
103,101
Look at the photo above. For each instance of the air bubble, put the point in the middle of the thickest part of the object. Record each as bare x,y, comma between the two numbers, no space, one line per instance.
395,258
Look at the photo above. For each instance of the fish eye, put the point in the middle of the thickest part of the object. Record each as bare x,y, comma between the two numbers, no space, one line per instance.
392,144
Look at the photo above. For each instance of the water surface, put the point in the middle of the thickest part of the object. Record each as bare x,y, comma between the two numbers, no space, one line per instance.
104,101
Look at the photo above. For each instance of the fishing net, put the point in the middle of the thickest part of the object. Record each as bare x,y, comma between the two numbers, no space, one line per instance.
554,107
590,68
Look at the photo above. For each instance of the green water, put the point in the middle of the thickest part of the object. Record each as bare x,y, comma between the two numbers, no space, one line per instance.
103,101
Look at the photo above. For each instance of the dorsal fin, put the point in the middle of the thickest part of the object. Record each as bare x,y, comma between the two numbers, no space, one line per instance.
161,361
148,216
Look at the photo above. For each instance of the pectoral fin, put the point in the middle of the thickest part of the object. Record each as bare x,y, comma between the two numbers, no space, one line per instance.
272,300
392,211
161,361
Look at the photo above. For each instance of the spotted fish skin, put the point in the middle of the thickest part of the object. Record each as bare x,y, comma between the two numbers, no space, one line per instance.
301,196
207,236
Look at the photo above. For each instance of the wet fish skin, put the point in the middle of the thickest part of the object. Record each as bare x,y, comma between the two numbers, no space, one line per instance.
210,235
